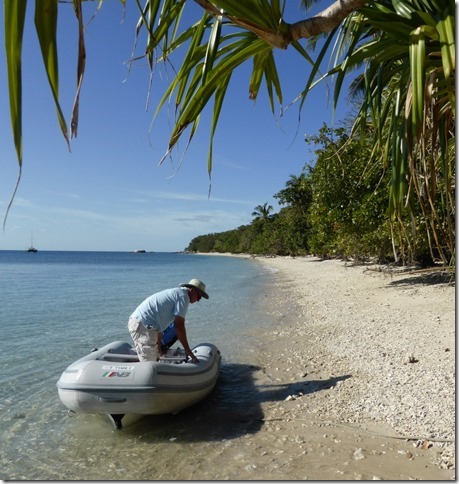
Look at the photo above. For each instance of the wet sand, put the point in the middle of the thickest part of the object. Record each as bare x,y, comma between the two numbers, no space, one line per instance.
356,380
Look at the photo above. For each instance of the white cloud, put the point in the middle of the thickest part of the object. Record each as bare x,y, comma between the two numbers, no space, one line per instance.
197,197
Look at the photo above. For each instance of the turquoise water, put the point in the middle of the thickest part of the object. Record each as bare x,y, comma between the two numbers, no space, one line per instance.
56,306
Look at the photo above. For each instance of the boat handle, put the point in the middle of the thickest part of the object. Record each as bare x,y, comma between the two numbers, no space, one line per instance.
114,400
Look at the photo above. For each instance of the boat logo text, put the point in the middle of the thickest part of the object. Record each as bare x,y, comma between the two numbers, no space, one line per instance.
117,371
119,374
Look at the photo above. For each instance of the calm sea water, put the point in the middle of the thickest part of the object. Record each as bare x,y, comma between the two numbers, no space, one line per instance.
56,306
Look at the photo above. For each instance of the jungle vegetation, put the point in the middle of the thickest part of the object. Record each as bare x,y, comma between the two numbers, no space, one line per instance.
337,208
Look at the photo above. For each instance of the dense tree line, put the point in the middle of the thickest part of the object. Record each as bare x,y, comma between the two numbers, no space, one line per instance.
337,208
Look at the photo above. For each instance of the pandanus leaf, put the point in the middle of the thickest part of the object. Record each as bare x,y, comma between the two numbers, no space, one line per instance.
14,29
14,13
46,27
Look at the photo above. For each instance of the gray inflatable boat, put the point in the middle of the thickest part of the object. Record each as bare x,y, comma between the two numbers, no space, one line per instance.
112,381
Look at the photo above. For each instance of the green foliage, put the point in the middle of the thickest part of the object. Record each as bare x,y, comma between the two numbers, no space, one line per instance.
262,211
407,51
349,214
339,208
349,208
285,233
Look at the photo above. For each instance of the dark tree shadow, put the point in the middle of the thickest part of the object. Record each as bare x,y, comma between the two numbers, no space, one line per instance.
431,275
231,410
429,279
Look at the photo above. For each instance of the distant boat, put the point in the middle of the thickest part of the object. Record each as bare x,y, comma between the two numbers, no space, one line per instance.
139,251
31,248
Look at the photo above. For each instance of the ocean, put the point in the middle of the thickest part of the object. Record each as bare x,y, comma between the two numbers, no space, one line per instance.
57,306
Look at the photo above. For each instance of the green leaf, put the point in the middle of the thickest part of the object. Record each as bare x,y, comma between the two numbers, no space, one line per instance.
198,101
14,28
80,67
259,61
445,27
46,27
212,48
404,9
272,80
417,62
219,98
14,13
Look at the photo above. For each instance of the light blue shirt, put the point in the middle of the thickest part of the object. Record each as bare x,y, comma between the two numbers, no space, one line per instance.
160,309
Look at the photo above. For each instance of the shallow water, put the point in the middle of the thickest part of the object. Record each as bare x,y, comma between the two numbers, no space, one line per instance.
56,306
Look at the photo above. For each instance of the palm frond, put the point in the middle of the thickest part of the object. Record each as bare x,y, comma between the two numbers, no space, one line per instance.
46,25
14,16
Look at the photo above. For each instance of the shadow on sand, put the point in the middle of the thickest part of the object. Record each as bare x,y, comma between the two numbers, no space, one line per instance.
232,409
429,279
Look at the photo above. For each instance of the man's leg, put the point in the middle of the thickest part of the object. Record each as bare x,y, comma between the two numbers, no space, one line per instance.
145,340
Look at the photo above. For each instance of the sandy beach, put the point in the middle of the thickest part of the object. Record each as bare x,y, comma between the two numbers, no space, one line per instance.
379,347
356,381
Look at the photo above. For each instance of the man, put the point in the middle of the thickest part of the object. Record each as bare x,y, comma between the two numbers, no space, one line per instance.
154,315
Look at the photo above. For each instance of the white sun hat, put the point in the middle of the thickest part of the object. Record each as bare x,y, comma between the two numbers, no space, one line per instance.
198,285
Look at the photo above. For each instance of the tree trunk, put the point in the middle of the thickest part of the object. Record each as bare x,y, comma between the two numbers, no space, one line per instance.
326,20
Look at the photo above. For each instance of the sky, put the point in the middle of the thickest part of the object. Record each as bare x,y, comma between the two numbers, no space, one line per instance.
109,192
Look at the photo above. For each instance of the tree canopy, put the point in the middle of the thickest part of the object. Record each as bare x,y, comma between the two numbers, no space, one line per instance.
337,208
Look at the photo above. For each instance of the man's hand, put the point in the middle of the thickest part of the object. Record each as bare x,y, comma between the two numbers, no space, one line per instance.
194,359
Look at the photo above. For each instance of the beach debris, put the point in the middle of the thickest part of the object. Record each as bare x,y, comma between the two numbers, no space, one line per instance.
447,459
410,358
294,396
408,454
358,454
423,444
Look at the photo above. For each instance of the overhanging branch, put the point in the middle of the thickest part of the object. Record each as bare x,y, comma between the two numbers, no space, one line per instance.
325,21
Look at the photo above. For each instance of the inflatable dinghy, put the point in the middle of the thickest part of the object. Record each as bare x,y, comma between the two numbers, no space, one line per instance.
111,380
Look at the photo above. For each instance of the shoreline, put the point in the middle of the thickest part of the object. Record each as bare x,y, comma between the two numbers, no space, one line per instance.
360,363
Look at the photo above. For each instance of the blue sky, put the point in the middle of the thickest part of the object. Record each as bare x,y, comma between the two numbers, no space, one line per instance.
110,193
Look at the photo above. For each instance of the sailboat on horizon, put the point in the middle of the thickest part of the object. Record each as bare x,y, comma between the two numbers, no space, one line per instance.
31,248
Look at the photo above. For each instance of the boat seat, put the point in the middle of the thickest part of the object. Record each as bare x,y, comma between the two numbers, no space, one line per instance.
119,357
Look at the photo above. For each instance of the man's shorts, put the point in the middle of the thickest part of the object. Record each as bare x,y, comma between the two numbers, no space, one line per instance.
145,340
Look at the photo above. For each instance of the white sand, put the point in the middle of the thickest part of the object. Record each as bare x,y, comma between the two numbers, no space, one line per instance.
383,343
354,379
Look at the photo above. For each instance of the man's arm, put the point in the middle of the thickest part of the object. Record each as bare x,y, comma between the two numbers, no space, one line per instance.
181,335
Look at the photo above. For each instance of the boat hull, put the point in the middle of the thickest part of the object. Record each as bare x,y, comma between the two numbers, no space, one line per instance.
112,381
